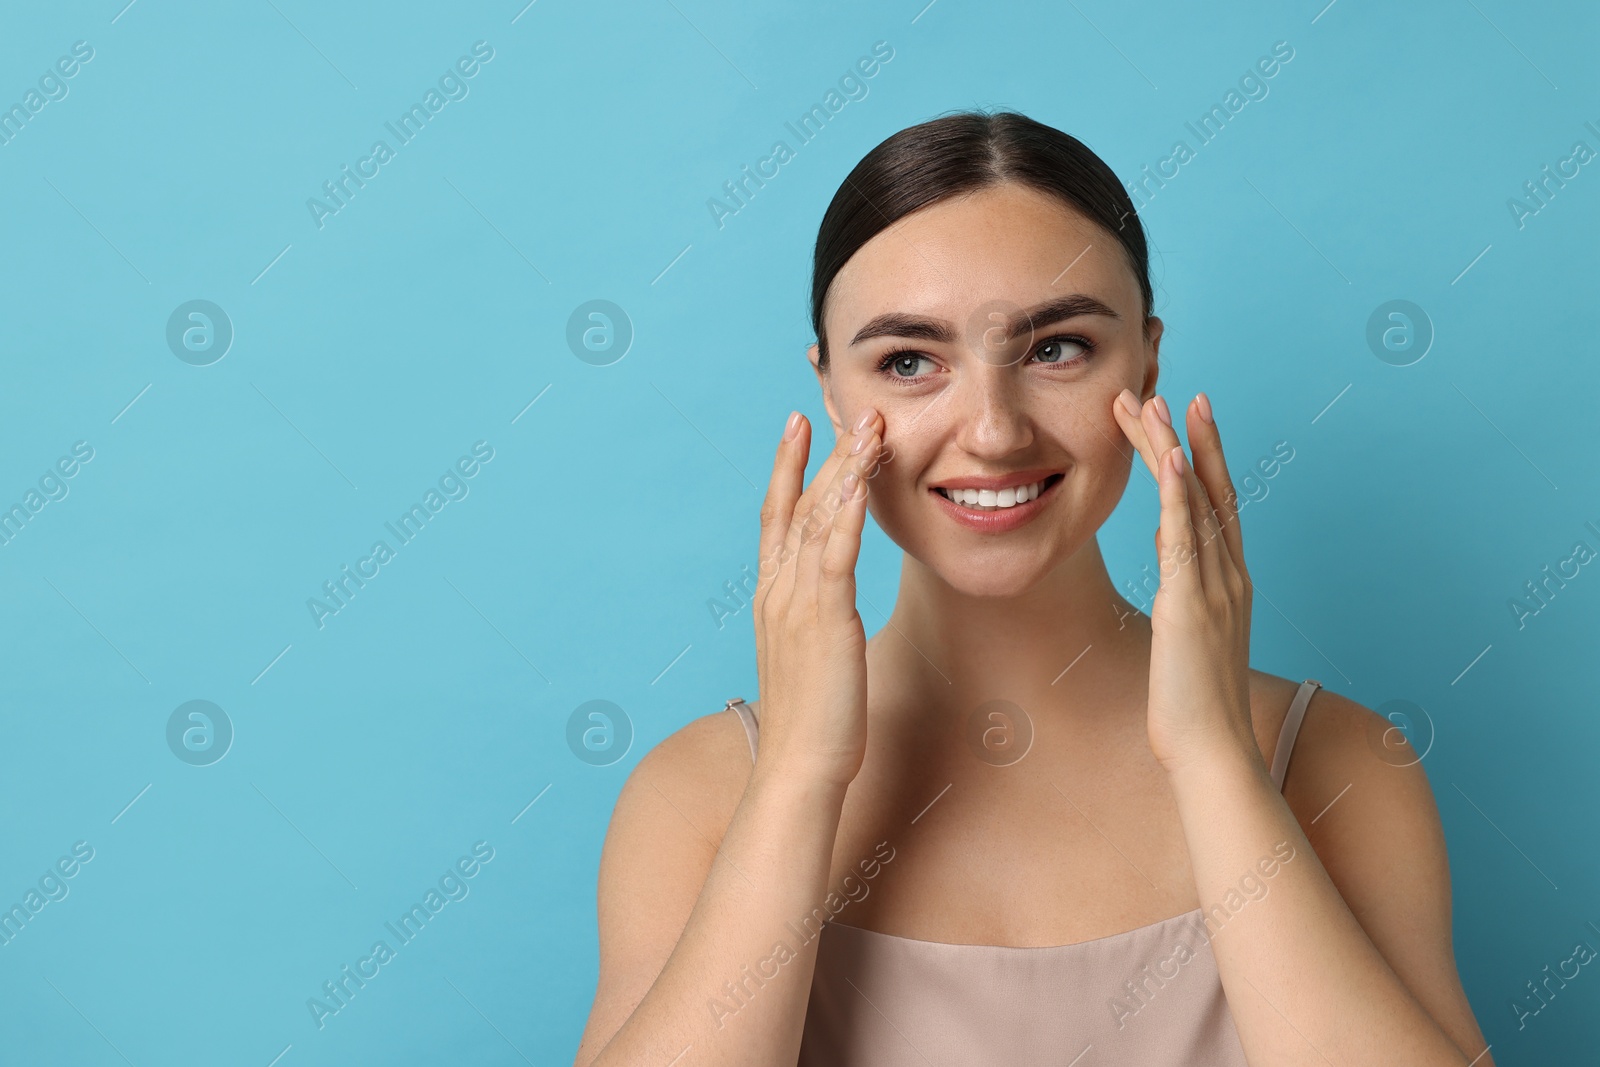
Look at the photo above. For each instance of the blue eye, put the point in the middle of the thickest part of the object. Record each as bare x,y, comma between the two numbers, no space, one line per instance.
900,364
899,361
1056,344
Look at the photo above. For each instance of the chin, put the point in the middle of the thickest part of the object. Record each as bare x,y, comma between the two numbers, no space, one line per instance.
992,571
989,580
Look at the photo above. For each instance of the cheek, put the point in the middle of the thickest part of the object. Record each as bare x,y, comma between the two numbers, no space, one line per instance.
912,437
892,488
1087,430
883,470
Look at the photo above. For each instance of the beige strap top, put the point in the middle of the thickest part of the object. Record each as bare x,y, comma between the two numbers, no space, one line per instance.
1150,996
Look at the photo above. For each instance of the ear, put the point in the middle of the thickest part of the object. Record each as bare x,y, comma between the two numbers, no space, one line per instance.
1153,368
814,354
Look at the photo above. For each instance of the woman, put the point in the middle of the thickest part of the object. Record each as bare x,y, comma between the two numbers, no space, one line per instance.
1024,823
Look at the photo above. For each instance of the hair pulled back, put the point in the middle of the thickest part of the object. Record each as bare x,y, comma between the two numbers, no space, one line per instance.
962,153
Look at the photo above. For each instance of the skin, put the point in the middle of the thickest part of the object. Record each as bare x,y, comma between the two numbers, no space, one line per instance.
1145,793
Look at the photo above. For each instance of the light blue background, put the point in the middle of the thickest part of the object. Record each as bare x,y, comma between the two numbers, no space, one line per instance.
428,313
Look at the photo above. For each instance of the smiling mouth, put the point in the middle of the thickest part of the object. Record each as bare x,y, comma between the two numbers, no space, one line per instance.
997,500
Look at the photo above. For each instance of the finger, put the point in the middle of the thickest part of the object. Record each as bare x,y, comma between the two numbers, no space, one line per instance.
1216,561
788,478
1157,422
1177,536
836,566
1127,411
1212,468
866,423
822,521
828,475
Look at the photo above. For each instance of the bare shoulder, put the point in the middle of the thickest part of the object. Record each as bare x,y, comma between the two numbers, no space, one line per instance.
700,769
669,819
1346,752
1270,697
1338,740
664,834
1360,793
1351,775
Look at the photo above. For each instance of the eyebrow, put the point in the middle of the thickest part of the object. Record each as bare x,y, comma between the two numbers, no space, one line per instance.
900,324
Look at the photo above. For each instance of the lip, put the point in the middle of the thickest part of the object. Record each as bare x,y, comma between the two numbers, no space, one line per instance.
1003,520
1006,481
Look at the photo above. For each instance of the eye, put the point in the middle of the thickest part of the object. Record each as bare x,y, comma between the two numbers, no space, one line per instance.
1057,351
902,363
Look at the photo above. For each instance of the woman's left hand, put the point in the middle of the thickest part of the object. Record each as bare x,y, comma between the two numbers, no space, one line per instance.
1199,697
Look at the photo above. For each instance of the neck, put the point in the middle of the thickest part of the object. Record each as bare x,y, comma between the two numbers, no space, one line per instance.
1069,644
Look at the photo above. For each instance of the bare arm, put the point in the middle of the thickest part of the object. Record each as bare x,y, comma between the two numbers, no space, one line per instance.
1347,957
733,985
702,939
1346,961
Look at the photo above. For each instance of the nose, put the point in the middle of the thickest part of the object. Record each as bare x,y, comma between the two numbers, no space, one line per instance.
994,420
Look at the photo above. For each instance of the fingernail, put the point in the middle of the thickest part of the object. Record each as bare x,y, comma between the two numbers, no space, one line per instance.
1129,402
1203,404
1177,460
1161,410
863,419
861,442
792,427
848,490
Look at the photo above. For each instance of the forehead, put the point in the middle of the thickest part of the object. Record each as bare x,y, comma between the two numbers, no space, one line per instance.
1007,242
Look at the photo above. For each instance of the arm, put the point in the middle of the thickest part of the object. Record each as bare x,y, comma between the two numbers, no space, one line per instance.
1347,958
698,939
1311,977
689,929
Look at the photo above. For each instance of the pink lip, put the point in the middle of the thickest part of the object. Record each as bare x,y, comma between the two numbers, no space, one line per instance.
1003,520
1007,481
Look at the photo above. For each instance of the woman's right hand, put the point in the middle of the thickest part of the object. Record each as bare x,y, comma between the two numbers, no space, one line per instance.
810,644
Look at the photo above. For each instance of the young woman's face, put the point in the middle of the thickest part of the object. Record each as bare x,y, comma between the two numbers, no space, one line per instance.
919,327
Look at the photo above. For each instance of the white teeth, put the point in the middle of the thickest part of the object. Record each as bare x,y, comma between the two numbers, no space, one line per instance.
993,500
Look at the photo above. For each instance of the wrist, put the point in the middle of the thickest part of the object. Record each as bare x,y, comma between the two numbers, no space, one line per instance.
787,784
1218,768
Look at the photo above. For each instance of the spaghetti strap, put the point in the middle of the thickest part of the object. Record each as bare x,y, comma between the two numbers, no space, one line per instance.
747,717
1291,728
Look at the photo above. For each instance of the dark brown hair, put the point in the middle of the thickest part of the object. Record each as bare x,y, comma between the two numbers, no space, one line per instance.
962,153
